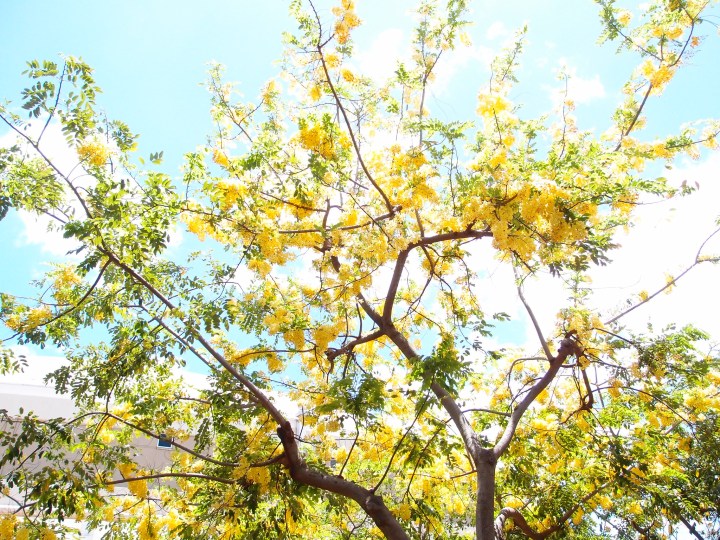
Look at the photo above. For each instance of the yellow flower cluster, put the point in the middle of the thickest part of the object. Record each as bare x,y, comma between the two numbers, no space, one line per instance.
270,92
93,152
670,33
491,104
332,60
138,488
277,319
408,180
348,75
315,92
528,216
403,511
347,20
623,17
323,335
315,138
261,266
274,363
701,402
295,337
658,76
146,528
229,191
220,158
66,277
259,475
197,225
7,527
241,358
30,320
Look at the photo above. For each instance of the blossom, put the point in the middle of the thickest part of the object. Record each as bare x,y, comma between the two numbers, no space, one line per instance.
93,152
315,92
623,17
347,20
491,104
220,158
348,75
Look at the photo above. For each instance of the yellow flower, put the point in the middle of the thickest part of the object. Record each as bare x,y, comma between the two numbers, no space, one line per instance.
296,337
624,17
323,336
139,488
605,501
347,75
674,33
332,60
403,511
259,475
315,92
315,138
31,319
7,526
93,152
269,92
347,20
498,159
48,534
635,508
260,266
220,158
657,76
490,105
274,363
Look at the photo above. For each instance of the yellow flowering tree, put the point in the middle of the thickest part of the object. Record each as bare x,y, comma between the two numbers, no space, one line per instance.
352,391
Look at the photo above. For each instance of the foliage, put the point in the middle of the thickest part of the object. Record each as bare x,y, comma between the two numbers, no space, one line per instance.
338,223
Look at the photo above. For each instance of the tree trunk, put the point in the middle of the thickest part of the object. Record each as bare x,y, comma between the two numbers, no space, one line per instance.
485,508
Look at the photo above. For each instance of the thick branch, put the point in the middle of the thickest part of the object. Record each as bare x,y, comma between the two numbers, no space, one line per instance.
372,336
519,520
568,347
403,255
371,503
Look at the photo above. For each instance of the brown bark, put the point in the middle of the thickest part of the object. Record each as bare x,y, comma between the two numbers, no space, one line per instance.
371,503
485,463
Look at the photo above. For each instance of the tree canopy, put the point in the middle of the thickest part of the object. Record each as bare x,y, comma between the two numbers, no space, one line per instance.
356,388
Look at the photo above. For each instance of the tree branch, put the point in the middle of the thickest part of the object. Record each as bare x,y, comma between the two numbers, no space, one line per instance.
568,347
673,281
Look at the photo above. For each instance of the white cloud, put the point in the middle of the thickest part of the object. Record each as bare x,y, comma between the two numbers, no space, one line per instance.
458,61
379,61
497,30
663,241
578,89
38,231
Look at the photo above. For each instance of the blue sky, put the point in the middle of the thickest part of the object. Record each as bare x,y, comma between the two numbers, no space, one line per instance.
151,58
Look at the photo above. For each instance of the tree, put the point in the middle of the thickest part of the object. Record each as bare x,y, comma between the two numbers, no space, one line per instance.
339,221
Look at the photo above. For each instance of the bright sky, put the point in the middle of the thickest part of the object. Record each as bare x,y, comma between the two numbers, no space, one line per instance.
151,57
